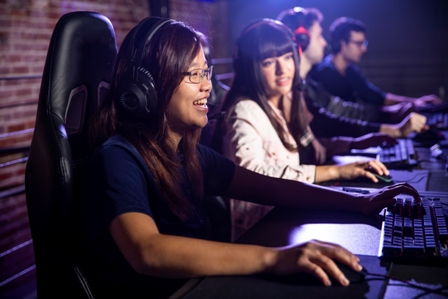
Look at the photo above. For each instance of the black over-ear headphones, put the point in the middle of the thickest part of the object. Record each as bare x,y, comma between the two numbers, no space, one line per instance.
137,96
294,18
302,38
335,41
301,34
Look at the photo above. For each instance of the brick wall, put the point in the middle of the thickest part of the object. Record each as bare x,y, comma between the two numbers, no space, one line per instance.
209,17
25,30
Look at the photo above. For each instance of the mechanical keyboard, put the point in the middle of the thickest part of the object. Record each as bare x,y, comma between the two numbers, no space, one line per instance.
438,120
400,156
431,108
415,233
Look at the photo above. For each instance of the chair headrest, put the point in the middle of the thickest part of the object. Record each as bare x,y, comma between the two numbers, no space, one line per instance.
78,67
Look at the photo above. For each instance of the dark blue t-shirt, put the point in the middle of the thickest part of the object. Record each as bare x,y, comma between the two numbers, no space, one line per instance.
352,87
118,181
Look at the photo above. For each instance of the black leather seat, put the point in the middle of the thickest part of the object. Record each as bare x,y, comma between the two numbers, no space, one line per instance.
76,76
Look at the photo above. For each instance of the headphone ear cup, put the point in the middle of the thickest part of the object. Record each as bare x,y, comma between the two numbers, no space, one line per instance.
302,37
136,94
335,46
138,98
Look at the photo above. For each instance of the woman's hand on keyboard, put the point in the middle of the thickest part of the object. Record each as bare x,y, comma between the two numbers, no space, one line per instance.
385,197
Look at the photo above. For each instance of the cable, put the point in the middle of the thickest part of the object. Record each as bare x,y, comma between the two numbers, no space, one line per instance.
426,293
438,291
425,160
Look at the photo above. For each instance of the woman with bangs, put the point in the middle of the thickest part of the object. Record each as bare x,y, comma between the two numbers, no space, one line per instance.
266,125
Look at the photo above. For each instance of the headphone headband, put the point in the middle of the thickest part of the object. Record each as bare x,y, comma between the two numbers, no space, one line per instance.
294,18
252,26
155,23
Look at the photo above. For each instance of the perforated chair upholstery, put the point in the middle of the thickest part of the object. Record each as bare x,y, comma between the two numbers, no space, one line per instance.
77,72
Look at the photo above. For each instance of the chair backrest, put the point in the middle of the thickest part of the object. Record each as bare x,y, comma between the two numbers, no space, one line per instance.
76,76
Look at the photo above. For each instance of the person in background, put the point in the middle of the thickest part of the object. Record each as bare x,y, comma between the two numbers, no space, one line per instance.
141,225
266,126
217,95
332,116
341,77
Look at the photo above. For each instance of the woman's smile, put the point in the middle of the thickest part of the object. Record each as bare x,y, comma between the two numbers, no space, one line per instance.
283,81
201,104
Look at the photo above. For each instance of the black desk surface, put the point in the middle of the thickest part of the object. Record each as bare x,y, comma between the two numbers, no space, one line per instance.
431,174
358,233
294,286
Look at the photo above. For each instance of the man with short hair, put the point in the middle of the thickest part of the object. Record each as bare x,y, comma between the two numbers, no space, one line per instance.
332,116
341,77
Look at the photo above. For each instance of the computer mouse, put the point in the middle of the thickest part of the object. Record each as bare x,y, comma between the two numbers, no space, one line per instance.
381,178
350,274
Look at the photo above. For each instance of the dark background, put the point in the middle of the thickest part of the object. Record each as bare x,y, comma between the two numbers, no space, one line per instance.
408,45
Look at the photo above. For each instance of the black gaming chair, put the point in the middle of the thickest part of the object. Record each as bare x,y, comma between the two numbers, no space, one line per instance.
76,76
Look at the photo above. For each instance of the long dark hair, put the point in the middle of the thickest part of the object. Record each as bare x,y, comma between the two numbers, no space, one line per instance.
169,53
260,40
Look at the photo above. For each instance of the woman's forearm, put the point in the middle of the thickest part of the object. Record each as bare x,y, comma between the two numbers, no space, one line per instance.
326,173
250,186
151,253
179,257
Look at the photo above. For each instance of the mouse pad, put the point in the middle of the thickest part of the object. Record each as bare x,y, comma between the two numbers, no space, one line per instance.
300,285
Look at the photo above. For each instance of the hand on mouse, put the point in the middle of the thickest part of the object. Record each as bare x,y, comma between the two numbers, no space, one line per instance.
317,258
358,169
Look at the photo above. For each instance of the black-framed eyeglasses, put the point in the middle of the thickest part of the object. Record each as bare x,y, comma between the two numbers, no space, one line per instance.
361,43
197,75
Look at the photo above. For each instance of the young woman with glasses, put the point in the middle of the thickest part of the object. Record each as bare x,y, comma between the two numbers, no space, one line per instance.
141,225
